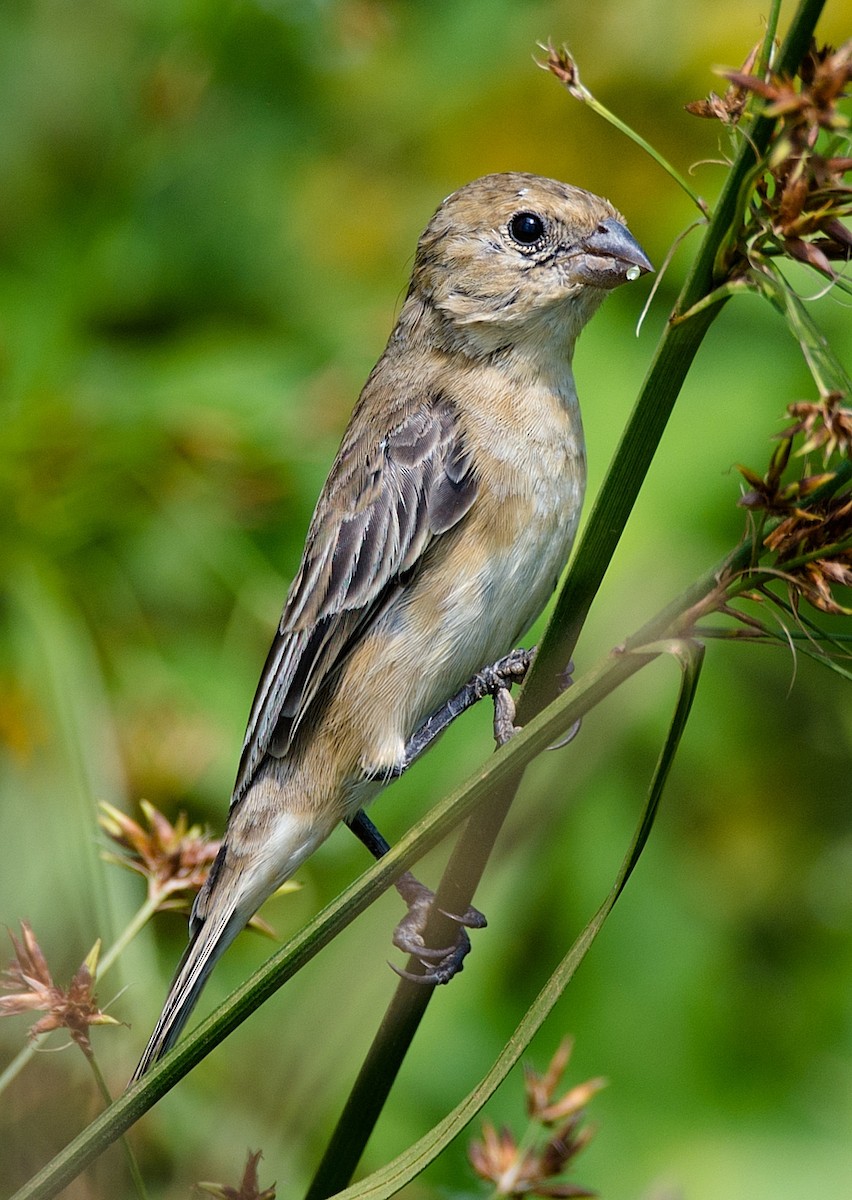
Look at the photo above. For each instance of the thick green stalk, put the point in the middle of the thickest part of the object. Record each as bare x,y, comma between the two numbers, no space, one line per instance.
609,516
662,385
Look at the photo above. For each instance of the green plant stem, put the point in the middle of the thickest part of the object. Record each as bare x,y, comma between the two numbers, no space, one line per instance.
609,516
133,1166
662,385
765,57
581,93
133,927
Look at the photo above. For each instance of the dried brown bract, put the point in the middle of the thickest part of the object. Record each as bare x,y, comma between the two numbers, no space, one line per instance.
29,979
249,1187
799,200
515,1172
542,1103
808,102
770,494
814,550
175,860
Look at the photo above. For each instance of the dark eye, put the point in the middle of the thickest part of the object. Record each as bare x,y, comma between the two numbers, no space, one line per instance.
526,228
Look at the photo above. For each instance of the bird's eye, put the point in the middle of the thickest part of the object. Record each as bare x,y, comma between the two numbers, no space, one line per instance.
526,228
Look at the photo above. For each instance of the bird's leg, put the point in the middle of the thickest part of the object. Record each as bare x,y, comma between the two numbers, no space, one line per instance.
495,680
442,964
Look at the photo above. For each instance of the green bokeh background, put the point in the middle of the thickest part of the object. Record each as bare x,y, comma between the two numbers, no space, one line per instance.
207,215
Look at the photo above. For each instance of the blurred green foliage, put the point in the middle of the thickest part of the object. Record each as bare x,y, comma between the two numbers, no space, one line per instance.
208,211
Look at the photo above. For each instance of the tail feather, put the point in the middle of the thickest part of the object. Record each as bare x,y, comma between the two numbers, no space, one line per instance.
206,946
267,852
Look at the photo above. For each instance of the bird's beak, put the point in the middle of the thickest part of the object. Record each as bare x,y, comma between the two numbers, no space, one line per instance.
611,256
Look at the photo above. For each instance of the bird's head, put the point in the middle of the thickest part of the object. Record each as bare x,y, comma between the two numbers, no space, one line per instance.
512,256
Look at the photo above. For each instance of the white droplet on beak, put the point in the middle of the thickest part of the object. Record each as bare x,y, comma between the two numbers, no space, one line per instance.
633,273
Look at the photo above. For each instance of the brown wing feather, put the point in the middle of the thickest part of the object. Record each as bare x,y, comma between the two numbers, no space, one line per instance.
382,505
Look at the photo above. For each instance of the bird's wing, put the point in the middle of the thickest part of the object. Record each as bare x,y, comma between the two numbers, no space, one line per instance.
384,502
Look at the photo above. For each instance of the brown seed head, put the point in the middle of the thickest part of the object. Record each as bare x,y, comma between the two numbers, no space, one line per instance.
249,1187
74,1008
174,859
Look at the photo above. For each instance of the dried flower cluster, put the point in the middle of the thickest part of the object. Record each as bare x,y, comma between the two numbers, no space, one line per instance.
174,859
249,1187
827,426
801,198
561,64
819,544
519,1170
29,979
812,539
770,494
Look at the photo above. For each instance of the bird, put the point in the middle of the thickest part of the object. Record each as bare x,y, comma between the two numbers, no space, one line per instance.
446,519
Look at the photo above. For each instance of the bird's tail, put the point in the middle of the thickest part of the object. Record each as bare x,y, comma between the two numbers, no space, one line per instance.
207,943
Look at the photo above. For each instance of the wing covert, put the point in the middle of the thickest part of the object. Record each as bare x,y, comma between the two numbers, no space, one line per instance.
382,505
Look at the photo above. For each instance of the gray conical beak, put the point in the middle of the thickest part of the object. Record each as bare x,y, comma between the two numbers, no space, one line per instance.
611,256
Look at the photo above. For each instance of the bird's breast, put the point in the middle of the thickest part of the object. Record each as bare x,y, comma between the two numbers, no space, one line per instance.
480,585
484,583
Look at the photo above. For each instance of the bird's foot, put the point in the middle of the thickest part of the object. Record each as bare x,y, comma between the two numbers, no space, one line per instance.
495,681
441,964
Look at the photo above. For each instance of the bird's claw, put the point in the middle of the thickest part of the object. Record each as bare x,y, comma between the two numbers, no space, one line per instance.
440,971
440,966
566,678
441,963
472,918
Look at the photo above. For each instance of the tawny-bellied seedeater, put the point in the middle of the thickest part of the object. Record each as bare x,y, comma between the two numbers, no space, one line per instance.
441,530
